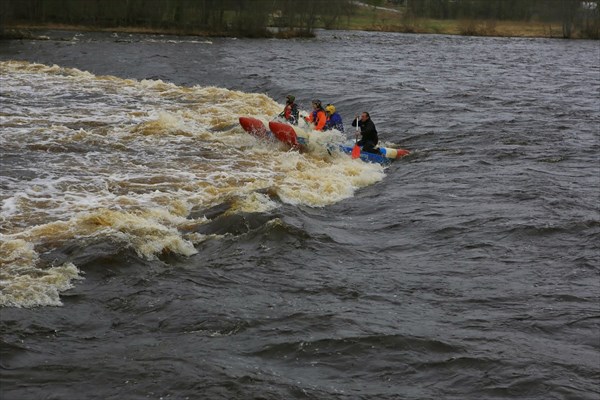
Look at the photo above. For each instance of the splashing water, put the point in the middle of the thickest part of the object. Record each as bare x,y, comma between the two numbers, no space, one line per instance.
103,158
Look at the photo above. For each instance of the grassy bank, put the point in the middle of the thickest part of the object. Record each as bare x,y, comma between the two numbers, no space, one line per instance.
469,28
372,19
423,26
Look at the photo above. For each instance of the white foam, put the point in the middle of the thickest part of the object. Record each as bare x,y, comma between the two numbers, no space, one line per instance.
126,160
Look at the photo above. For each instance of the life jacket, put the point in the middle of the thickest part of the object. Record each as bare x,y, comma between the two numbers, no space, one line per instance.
290,112
318,118
334,121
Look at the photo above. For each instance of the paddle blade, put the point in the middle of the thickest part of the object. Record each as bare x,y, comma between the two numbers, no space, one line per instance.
356,151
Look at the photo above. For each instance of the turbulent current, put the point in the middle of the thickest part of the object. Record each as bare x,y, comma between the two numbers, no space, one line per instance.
150,248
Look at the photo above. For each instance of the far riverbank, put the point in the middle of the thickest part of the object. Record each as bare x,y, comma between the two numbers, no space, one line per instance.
422,26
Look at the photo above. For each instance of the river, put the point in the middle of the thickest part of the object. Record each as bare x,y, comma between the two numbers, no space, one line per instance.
151,248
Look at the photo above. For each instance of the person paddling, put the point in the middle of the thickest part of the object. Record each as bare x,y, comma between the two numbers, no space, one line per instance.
317,118
290,112
369,137
334,119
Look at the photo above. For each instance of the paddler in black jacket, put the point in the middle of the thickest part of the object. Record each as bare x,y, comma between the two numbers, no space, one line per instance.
369,138
290,112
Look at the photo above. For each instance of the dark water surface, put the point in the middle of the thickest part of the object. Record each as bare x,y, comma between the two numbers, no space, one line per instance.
467,270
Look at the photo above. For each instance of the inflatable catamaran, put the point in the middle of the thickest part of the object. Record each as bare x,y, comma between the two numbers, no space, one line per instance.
286,134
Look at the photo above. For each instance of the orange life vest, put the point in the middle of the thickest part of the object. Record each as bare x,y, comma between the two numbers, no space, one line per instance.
318,118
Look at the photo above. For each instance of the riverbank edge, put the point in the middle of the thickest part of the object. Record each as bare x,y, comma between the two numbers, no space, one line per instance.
31,31
449,27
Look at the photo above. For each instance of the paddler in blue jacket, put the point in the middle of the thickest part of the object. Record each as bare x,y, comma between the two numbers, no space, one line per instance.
334,119
369,137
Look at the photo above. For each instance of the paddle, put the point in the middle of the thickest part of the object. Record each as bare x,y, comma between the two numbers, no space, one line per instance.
356,148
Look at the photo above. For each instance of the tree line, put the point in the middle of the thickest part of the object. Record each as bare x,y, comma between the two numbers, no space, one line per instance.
211,17
263,18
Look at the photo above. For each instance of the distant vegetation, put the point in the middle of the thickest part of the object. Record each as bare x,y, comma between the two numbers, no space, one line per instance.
289,18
